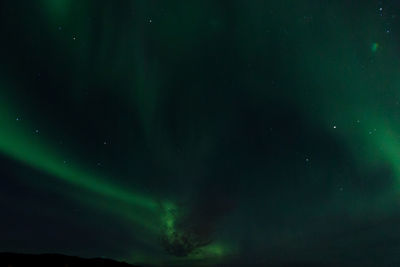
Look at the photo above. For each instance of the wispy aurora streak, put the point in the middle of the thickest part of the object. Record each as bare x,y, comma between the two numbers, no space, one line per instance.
17,141
339,75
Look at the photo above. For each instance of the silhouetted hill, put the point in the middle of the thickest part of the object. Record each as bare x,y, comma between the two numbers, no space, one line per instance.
54,260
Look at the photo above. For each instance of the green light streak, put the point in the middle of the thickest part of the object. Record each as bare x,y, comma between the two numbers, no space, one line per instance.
18,141
169,219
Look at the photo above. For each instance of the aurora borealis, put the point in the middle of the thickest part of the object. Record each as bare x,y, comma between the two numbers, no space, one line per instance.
201,132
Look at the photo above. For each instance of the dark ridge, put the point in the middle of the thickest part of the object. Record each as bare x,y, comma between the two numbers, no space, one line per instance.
54,260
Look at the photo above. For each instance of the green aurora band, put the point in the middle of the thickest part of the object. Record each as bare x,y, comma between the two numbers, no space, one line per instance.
14,142
363,120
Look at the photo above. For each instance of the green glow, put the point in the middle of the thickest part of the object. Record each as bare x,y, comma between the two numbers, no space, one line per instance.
18,141
348,97
209,255
214,250
169,218
57,9
330,73
374,47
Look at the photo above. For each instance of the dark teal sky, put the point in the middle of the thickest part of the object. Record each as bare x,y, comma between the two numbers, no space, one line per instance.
201,132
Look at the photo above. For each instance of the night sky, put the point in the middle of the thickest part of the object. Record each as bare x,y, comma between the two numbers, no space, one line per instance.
201,132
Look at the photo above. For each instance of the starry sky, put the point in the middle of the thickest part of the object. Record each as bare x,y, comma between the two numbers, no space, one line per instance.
201,132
